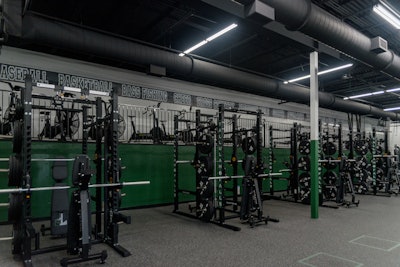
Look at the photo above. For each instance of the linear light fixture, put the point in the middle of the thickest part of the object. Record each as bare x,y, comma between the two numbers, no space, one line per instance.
209,39
391,109
387,13
364,95
319,73
372,93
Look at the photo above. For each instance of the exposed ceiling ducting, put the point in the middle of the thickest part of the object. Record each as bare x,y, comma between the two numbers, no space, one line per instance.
41,30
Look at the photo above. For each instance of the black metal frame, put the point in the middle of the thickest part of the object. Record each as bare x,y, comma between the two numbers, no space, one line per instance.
24,232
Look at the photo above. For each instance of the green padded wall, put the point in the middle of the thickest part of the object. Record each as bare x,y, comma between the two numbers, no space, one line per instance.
141,162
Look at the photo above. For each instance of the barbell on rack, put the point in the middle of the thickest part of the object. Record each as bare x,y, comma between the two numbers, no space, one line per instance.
242,176
47,188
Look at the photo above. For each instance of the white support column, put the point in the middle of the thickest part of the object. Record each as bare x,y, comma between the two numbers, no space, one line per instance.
314,105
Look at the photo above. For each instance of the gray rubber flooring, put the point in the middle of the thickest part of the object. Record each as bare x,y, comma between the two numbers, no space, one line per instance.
368,235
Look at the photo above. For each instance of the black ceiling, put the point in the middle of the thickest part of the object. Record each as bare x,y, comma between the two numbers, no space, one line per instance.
179,24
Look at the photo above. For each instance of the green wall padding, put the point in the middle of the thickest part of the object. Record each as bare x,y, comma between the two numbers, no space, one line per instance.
141,162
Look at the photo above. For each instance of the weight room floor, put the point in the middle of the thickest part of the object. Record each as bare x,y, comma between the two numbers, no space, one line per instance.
365,236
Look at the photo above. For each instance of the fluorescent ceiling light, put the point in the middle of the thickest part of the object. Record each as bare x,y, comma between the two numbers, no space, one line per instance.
393,90
387,13
209,39
391,109
319,73
364,95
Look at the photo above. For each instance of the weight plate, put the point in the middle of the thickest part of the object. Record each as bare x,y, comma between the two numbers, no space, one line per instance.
206,188
329,148
205,166
330,178
381,163
329,165
304,147
378,150
18,136
249,145
304,187
206,143
206,210
330,192
15,208
361,147
304,163
15,172
379,174
362,162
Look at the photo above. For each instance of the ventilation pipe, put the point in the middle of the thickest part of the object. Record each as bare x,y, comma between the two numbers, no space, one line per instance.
57,34
303,16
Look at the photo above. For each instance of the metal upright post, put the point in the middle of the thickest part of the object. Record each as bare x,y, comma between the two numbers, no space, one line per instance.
176,167
220,164
97,158
314,104
27,229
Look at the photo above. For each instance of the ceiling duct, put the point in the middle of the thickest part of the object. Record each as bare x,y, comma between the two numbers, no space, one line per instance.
70,37
303,16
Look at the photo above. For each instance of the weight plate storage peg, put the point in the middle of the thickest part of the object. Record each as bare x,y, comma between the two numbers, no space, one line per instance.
18,136
15,171
329,148
304,147
249,145
206,143
304,163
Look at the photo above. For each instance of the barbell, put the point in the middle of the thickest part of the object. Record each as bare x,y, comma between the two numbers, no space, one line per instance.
47,188
243,176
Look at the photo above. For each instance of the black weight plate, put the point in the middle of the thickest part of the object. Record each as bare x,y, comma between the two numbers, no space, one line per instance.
205,166
206,143
305,180
378,150
379,174
329,165
206,210
304,147
18,137
15,208
304,163
15,171
361,147
330,178
330,193
362,162
249,145
206,188
329,148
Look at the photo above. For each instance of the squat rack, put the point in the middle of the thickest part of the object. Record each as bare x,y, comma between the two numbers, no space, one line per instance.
23,229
